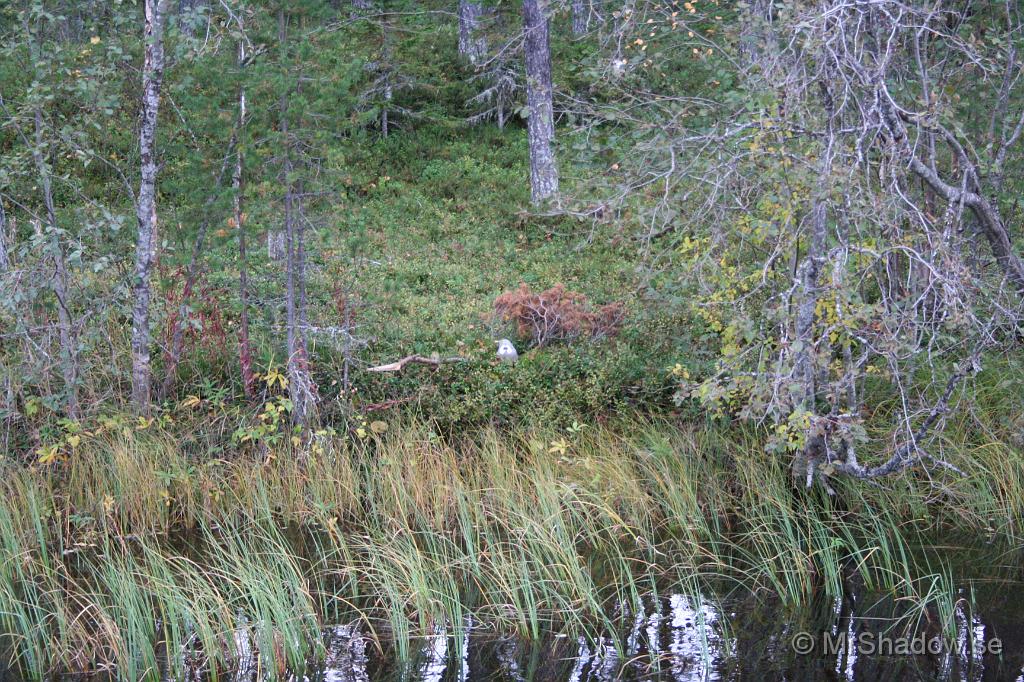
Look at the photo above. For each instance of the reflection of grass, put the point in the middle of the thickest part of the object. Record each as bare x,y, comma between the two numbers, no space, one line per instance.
132,552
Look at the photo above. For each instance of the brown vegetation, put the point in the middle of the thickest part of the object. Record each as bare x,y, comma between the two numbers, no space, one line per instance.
557,314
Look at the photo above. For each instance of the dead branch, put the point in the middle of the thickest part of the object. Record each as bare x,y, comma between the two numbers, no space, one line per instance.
399,365
387,404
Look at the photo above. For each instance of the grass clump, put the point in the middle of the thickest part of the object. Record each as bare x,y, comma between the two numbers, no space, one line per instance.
134,558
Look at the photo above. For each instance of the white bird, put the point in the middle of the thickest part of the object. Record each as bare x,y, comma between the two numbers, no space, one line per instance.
506,351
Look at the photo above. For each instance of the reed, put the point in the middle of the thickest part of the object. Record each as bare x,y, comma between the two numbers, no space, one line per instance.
137,558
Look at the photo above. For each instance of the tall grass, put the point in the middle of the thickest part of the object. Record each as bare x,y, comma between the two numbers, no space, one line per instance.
133,557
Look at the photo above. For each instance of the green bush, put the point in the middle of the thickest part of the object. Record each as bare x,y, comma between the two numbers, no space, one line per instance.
553,385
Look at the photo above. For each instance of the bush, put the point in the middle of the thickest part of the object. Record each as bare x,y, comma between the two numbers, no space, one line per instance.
554,385
557,315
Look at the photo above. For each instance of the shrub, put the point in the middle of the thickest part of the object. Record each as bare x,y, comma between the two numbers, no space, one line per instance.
557,314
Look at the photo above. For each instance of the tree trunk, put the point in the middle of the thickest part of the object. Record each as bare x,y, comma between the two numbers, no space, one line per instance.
805,361
580,17
754,33
187,10
540,124
300,383
275,245
5,260
388,95
145,249
244,344
471,46
59,280
386,66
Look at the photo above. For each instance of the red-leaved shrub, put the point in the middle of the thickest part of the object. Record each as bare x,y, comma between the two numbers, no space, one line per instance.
557,314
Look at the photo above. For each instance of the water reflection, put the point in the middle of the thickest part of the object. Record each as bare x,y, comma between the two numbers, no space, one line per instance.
346,655
697,644
434,655
681,638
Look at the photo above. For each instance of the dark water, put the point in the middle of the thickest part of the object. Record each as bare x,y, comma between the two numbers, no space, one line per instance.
682,637
688,638
729,636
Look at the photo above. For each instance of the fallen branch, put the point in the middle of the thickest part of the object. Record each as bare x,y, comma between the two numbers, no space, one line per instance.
398,366
387,404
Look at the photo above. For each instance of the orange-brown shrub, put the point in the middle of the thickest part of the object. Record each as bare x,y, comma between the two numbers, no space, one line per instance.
557,314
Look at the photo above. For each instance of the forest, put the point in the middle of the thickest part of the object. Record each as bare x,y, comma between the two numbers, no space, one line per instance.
468,340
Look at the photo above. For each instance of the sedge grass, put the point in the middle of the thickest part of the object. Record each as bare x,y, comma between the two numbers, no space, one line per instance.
133,557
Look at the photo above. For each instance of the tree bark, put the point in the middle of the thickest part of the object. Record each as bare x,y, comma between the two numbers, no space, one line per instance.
300,383
805,362
471,46
244,344
5,260
145,249
540,124
580,17
388,90
299,380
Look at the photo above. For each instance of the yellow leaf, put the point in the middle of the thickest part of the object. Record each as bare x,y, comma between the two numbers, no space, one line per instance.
47,454
559,446
191,401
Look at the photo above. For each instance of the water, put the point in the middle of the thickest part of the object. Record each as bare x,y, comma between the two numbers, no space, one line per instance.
690,639
683,637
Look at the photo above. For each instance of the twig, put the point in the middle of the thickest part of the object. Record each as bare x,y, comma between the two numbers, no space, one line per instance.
399,365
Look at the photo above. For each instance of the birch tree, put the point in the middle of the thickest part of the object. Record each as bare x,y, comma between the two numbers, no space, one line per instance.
842,227
5,260
48,232
245,354
146,206
539,99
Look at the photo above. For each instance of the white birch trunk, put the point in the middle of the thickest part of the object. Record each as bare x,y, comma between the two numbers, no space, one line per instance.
145,248
5,259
